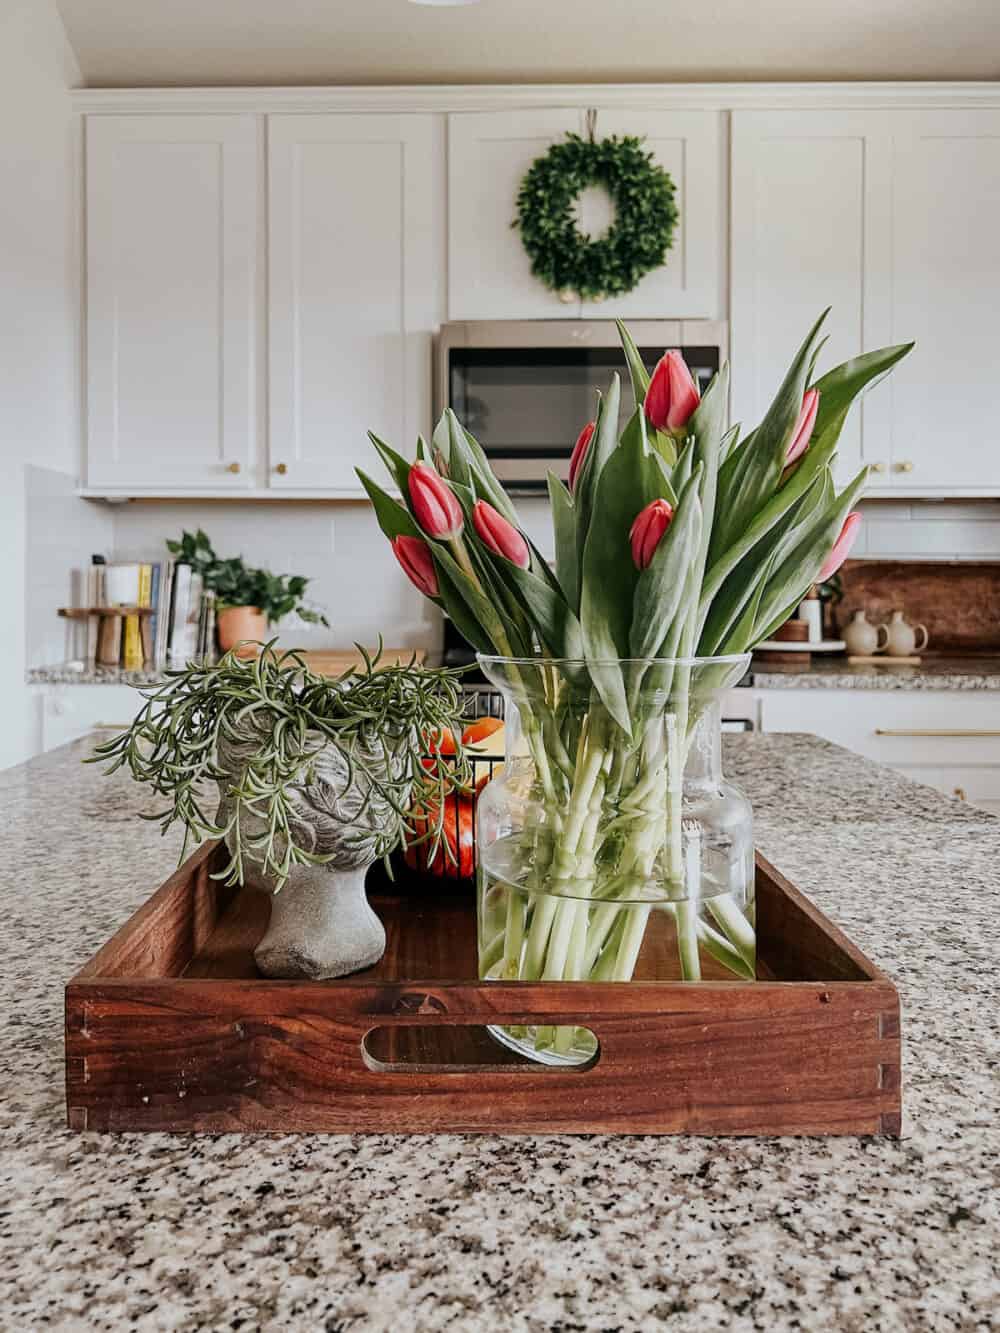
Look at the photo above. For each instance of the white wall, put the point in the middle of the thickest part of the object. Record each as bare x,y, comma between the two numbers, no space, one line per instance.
930,530
357,581
38,307
355,577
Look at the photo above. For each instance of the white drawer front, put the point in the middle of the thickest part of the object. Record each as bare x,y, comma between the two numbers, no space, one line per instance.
900,728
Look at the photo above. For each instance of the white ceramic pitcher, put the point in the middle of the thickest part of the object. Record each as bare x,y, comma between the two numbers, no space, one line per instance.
864,639
902,640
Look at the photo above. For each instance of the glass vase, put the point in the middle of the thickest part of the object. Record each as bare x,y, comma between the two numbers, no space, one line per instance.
611,852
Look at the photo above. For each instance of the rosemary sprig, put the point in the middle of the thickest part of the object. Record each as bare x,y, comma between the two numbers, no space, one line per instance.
276,715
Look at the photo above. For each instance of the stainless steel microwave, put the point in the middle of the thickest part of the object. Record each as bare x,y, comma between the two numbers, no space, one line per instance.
526,389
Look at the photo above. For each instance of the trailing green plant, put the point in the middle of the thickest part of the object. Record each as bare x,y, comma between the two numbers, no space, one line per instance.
238,584
379,718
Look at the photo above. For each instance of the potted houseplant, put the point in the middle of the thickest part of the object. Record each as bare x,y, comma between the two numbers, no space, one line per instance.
248,600
315,780
611,846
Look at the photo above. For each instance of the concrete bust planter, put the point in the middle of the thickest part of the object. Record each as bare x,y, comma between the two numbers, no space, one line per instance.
321,923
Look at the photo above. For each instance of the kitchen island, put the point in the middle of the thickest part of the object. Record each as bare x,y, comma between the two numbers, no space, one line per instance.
482,1233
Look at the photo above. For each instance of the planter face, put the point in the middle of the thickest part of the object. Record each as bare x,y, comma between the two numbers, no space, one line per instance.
321,924
237,623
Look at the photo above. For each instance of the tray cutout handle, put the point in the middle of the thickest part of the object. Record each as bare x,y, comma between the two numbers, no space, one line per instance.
453,1048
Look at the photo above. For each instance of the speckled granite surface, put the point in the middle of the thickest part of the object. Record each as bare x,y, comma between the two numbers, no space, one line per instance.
557,1233
836,673
68,674
829,673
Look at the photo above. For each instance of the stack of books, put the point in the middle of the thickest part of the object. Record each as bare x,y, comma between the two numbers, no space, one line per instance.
179,628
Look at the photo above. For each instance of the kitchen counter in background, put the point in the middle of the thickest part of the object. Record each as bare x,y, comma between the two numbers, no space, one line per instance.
941,673
836,673
326,662
473,1233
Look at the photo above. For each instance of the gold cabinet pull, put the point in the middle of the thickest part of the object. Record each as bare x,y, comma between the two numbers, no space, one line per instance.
904,466
960,792
877,467
281,468
936,731
233,467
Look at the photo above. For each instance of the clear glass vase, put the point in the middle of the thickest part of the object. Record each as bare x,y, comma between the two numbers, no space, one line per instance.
609,853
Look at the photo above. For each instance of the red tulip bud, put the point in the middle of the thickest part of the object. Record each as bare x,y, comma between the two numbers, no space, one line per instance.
649,526
580,452
841,547
434,504
499,536
672,394
803,427
418,564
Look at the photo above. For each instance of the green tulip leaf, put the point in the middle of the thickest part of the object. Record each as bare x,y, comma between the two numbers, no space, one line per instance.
393,518
564,533
396,465
660,586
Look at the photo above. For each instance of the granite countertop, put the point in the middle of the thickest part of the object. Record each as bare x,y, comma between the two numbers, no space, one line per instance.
836,673
552,1233
831,673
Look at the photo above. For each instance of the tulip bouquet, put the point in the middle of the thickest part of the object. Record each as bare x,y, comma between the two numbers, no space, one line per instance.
679,545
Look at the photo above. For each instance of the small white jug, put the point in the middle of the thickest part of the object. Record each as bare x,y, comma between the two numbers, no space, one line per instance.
902,637
864,639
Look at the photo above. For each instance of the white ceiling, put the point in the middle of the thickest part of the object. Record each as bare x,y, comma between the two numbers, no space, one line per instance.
212,42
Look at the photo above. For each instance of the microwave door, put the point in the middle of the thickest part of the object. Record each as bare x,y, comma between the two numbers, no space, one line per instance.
526,406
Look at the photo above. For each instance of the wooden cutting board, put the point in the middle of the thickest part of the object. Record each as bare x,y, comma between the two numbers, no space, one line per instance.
336,662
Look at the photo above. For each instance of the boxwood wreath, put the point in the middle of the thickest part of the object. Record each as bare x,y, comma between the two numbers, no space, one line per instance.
566,259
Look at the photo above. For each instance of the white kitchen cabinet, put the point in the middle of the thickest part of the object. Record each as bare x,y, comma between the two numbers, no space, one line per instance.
945,182
948,739
810,228
65,712
891,217
171,294
489,273
356,260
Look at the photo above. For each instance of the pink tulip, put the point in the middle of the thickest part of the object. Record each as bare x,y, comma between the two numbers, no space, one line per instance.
418,564
499,536
650,525
803,427
672,394
580,452
841,547
434,503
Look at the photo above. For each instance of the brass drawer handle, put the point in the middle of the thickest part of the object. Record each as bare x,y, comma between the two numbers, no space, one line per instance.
905,466
961,793
936,731
281,469
233,467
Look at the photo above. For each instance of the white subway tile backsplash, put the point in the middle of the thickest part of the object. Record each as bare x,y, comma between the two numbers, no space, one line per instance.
930,530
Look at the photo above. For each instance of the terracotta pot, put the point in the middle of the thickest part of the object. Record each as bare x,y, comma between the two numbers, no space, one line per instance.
237,623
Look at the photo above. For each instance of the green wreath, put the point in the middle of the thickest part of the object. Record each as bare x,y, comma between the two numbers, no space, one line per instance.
566,259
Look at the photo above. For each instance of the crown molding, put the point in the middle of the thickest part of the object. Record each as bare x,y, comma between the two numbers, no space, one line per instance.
445,98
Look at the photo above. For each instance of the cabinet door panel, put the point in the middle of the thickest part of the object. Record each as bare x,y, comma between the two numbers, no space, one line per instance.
688,145
810,229
489,273
946,287
354,259
171,262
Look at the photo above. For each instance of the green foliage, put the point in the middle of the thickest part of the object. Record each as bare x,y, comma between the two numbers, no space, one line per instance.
291,714
237,584
747,539
637,241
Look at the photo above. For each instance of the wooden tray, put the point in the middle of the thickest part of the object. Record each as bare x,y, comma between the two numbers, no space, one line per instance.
170,1027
